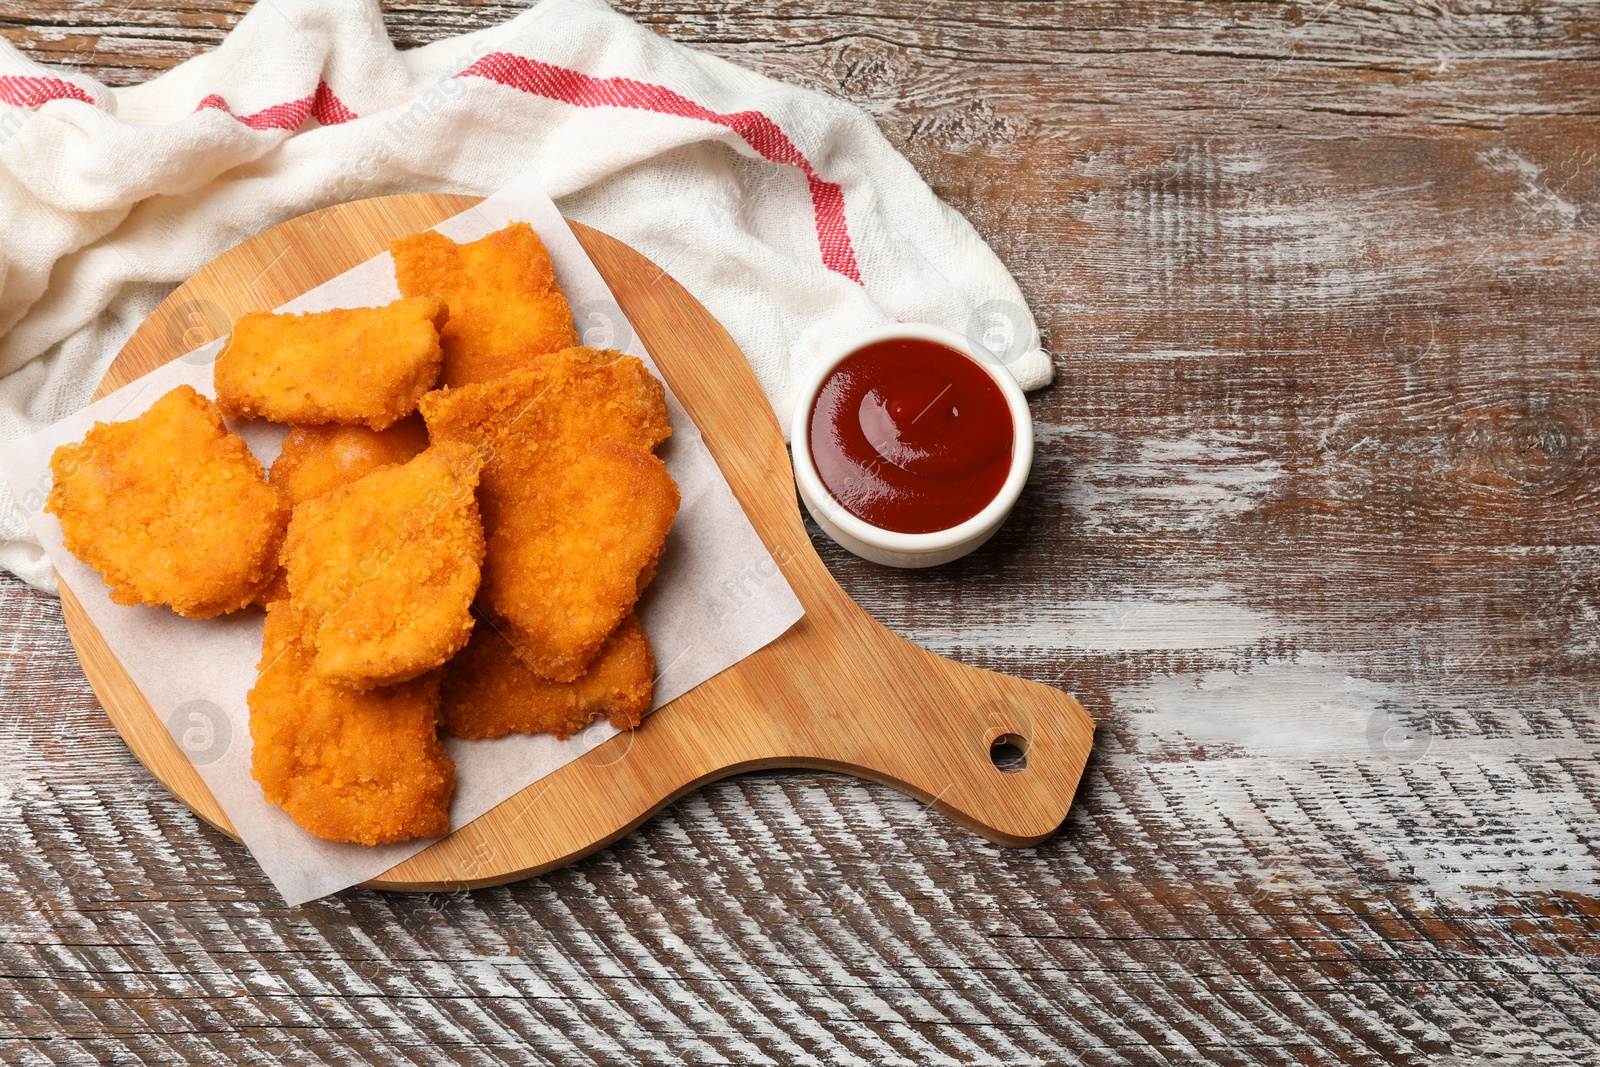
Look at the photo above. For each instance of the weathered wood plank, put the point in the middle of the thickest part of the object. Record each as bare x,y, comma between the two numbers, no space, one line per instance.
1313,530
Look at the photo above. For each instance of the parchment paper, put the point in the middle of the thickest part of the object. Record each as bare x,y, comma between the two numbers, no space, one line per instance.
716,598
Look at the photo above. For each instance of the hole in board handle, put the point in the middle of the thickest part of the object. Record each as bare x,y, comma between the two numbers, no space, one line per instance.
1009,753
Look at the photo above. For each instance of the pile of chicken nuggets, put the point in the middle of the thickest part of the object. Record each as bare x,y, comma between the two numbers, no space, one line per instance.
452,540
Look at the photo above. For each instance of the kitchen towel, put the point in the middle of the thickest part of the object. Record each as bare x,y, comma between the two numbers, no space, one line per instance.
783,210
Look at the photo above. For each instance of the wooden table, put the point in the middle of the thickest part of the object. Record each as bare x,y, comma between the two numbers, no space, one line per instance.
1312,532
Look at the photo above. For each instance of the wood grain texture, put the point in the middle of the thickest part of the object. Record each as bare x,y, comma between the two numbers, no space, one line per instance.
1312,531
835,691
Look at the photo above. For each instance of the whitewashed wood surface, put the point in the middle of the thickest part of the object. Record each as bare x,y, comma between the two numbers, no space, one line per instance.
1312,532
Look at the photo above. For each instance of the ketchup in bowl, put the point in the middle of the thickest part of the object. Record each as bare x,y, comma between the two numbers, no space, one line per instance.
911,436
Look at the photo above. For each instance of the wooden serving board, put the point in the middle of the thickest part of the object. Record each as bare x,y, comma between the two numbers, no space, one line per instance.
837,691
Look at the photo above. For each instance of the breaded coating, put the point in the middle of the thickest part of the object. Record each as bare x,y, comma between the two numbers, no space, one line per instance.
557,402
349,365
489,692
382,572
277,588
366,768
171,508
316,459
598,394
505,305
567,561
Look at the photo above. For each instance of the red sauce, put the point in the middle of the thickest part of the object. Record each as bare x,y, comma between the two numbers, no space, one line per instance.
911,436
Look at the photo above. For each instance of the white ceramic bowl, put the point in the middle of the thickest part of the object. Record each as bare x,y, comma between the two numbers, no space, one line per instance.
886,546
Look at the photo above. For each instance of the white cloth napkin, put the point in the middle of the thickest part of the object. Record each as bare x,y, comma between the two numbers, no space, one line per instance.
783,210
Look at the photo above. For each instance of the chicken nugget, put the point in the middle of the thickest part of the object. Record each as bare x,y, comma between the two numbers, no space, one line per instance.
575,507
599,394
382,572
367,768
505,305
171,508
349,365
489,692
575,537
316,459
573,396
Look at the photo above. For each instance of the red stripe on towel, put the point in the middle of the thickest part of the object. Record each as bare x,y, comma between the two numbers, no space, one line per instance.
758,131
